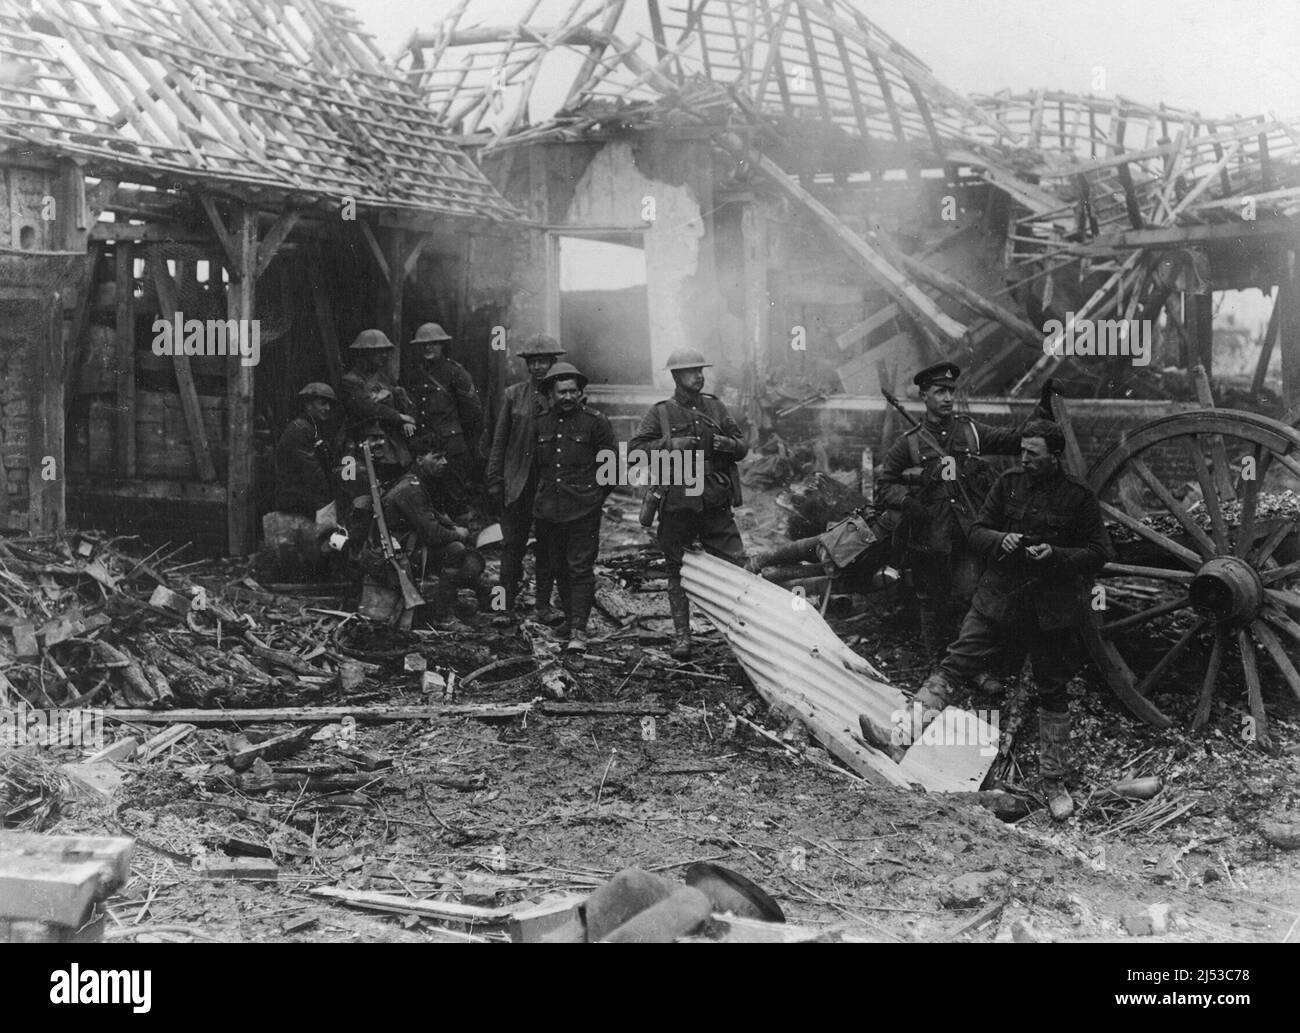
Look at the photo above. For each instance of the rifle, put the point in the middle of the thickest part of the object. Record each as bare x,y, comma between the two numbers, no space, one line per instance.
971,509
411,596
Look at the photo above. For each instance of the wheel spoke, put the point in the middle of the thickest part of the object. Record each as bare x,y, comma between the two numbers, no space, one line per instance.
1283,623
1179,647
1250,667
1283,598
1146,615
1193,529
1249,505
1155,537
1277,651
1218,526
1159,573
1265,551
1281,573
1211,679
1291,464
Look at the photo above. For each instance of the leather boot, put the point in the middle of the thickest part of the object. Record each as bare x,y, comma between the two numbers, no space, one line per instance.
680,606
1054,761
802,551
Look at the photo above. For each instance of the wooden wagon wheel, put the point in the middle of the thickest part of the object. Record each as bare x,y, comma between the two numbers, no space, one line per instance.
1212,569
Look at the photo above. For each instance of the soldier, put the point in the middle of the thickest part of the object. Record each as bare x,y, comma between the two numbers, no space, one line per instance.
414,516
369,392
572,441
1041,534
934,497
511,476
304,463
450,412
694,422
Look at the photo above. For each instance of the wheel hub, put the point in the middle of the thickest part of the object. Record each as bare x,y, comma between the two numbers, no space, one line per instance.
1227,589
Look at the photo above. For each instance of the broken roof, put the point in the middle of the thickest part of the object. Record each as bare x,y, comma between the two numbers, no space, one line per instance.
284,99
791,58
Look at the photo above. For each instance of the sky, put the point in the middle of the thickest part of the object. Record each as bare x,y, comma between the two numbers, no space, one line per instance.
1220,57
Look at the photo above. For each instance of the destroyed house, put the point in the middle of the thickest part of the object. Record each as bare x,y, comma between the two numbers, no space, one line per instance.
246,161
786,186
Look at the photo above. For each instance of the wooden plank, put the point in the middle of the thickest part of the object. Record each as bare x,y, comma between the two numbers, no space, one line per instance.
1268,344
124,421
372,242
275,715
220,229
1222,472
873,322
441,909
275,237
45,503
241,535
184,374
1289,332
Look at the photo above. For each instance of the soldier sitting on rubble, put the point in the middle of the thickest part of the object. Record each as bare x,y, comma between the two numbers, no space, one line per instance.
304,487
415,517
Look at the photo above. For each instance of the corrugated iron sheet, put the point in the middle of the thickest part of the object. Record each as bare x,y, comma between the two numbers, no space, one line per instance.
797,661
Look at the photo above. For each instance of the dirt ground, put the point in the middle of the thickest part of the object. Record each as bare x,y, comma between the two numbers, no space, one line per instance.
548,803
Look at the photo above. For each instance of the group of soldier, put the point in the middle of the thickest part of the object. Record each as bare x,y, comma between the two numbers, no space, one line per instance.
1000,565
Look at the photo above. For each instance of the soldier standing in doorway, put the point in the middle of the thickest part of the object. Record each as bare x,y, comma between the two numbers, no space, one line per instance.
511,476
692,421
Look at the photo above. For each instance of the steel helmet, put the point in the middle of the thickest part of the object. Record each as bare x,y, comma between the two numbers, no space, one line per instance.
565,371
686,358
430,333
318,390
540,344
370,340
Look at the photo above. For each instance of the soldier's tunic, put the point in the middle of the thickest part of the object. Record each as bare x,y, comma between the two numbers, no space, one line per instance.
374,396
1025,605
511,475
303,468
707,516
567,507
451,414
944,567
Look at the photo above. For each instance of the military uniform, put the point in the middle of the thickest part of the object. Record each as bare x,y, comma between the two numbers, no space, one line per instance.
374,396
451,415
707,516
934,512
304,466
512,475
1026,606
567,507
414,518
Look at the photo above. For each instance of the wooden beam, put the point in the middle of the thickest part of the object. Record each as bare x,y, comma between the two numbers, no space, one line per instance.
275,236
753,233
241,537
1288,331
378,252
184,374
46,482
1267,345
894,281
219,228
124,418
